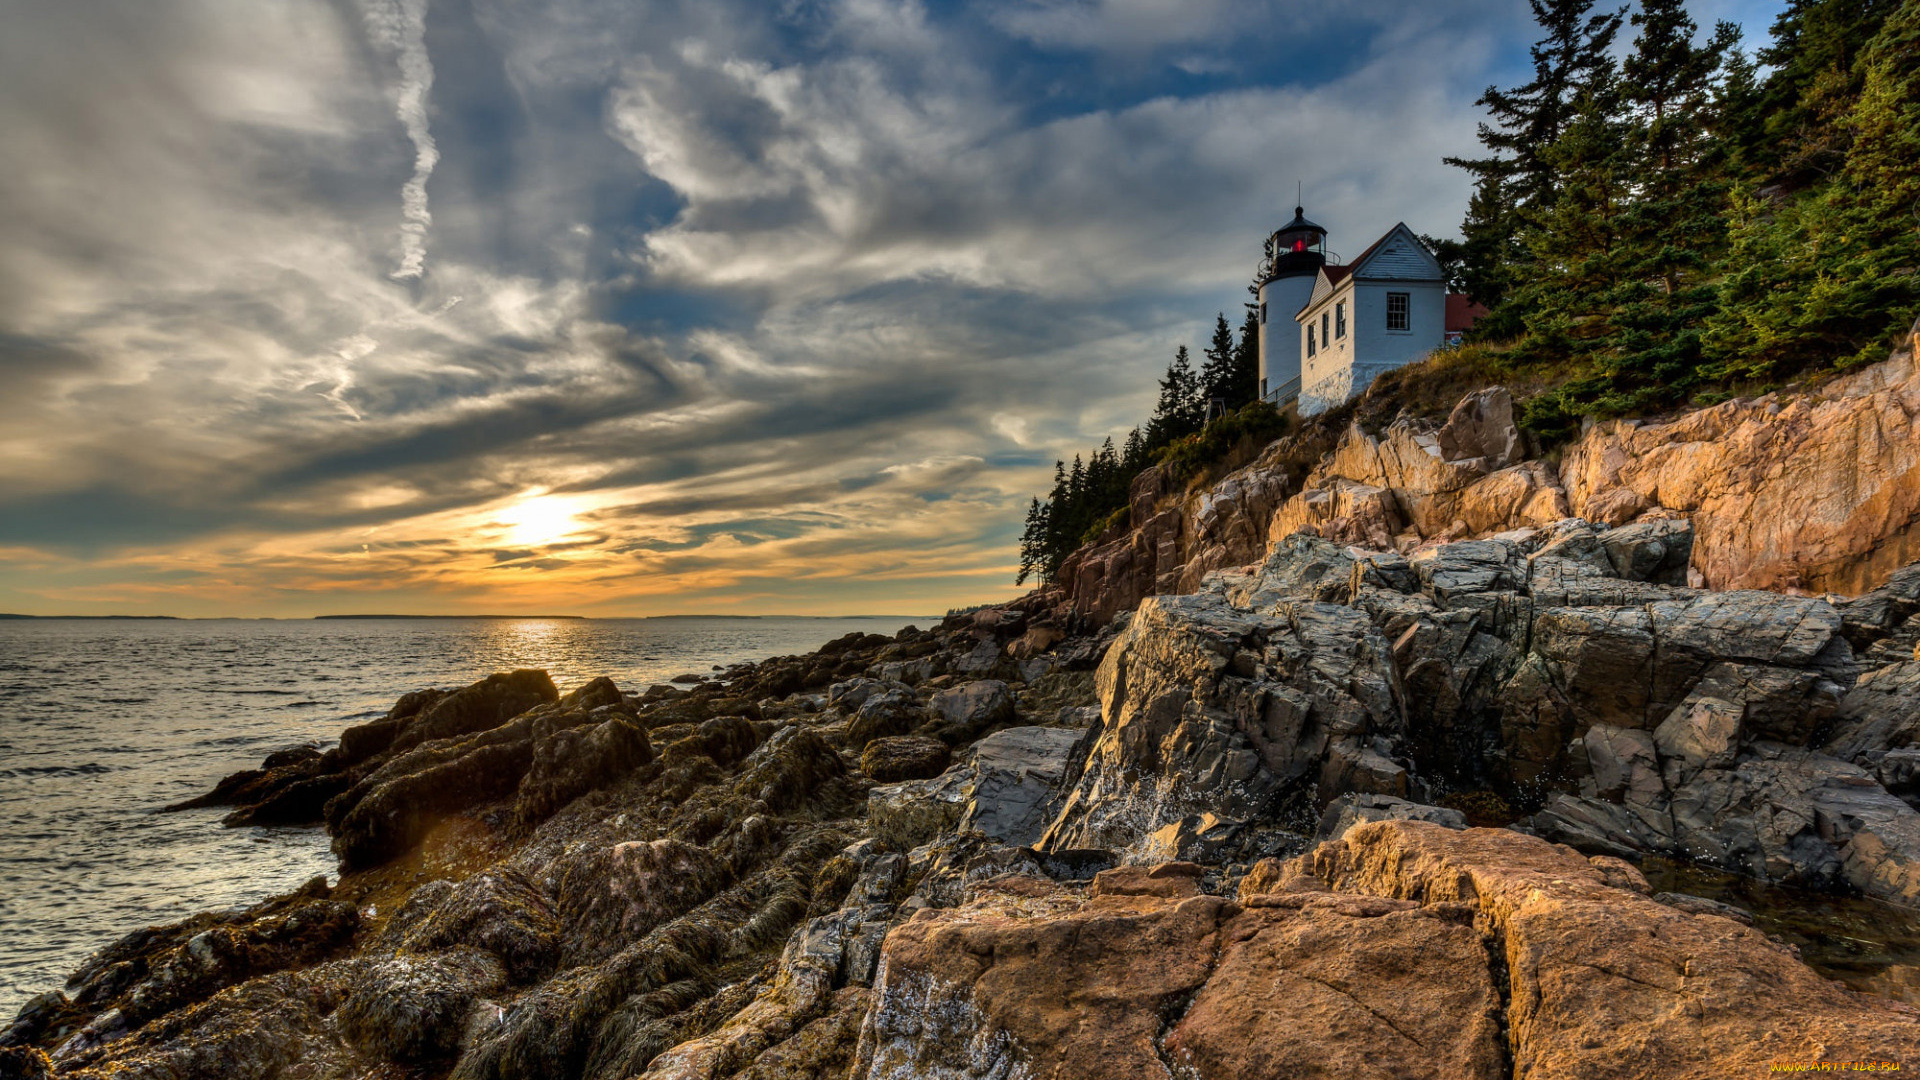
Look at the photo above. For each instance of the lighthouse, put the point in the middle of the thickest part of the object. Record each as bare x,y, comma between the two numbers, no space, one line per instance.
1294,257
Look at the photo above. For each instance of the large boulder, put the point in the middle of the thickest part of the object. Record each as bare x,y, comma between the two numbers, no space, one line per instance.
413,1008
1348,811
1209,708
905,757
1138,973
961,713
1015,782
1693,788
1006,789
884,715
1603,982
1654,551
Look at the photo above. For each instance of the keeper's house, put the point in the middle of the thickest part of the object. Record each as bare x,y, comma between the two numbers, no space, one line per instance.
1384,310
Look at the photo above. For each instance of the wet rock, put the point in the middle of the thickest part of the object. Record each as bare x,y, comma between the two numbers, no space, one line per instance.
486,704
909,814
1880,714
1700,905
1347,811
571,762
905,757
1772,812
498,910
621,893
155,971
389,812
413,1007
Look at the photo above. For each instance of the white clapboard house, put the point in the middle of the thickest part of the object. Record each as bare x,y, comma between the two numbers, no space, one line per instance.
1385,309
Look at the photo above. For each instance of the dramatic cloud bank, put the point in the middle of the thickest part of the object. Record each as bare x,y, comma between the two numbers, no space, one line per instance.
720,305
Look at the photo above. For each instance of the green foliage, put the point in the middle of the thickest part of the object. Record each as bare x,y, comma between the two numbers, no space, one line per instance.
1091,497
1674,226
1226,437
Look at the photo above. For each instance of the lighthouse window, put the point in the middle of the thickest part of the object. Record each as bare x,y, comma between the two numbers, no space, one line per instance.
1340,320
1263,313
1397,311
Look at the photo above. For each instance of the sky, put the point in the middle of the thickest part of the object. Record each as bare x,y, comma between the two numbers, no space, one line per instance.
642,307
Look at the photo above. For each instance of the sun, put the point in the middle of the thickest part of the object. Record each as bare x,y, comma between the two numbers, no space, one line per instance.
539,519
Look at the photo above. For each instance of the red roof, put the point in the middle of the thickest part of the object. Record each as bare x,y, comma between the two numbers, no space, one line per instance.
1462,313
1337,274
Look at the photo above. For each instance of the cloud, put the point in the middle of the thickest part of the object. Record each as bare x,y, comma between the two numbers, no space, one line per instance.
399,27
783,307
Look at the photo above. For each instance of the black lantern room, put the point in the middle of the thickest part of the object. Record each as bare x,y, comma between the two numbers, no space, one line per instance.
1298,248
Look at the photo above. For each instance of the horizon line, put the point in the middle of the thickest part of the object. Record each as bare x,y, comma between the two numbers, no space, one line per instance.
15,616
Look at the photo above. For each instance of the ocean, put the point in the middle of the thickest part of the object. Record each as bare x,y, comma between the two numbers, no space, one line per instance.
102,722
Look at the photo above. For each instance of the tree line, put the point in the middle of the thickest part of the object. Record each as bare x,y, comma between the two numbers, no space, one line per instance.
1677,219
1088,495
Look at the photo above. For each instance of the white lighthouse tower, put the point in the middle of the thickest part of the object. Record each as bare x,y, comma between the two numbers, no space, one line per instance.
1295,255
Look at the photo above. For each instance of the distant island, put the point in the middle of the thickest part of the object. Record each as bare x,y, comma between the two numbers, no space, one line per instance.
6,615
450,616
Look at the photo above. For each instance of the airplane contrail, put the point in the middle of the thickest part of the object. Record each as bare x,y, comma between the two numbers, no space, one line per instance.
400,27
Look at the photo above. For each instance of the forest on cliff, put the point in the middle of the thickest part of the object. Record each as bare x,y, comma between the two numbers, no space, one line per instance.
1669,223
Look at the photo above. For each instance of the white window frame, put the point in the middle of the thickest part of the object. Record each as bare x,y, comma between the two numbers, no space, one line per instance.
1340,320
1406,313
1310,348
1326,324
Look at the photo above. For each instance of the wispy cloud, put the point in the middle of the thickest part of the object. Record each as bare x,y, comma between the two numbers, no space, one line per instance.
778,307
399,28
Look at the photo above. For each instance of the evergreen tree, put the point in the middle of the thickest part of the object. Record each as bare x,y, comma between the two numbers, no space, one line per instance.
1134,456
1246,359
1033,545
1181,410
1529,118
1517,181
1217,373
1814,82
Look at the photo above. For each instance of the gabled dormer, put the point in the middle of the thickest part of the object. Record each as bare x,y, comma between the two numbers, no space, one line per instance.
1397,256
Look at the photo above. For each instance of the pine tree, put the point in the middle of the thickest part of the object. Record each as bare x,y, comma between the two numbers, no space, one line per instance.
1529,118
1033,546
1516,183
1814,82
1180,410
1217,372
1246,359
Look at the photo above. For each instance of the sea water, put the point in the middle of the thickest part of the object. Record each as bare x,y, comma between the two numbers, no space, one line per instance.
103,722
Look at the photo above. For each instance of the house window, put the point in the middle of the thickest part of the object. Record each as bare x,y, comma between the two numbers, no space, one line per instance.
1340,320
1310,347
1397,311
1323,328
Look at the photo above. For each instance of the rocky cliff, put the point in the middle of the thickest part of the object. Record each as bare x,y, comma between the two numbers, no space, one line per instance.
1349,764
1814,490
1227,836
